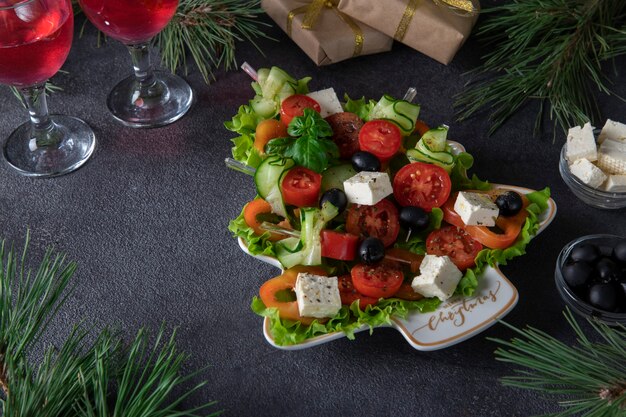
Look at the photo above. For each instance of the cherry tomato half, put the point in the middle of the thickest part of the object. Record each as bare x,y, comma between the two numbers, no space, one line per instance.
278,292
421,185
349,294
337,245
267,130
380,220
380,137
455,243
379,281
502,236
301,187
293,106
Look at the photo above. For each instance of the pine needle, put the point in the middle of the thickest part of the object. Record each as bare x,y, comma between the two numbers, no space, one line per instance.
589,378
548,51
79,379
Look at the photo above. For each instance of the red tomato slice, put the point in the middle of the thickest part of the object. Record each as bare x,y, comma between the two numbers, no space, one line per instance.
380,137
382,280
293,106
341,246
406,292
349,294
455,243
278,292
421,185
509,227
301,187
380,220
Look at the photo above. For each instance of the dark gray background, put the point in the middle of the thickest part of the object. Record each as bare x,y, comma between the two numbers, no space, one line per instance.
146,220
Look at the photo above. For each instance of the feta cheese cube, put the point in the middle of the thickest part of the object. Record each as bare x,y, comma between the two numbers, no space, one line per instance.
328,101
317,296
615,184
612,157
613,131
581,144
476,209
588,173
439,277
367,188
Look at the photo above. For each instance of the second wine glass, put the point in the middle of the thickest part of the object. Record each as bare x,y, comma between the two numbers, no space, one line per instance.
148,98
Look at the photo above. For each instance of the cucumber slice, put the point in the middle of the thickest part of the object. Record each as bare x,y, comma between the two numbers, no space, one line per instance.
289,252
435,139
267,182
275,81
443,159
264,107
401,112
334,177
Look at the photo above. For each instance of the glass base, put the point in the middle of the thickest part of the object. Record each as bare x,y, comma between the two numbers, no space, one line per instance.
161,104
74,149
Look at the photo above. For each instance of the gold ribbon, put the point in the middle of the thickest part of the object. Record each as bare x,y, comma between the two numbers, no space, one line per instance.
462,7
313,11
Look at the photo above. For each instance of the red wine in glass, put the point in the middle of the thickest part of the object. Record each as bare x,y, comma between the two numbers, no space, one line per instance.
148,98
130,22
35,40
31,54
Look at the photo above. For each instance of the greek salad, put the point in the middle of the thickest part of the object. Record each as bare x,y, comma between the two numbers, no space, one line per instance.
369,210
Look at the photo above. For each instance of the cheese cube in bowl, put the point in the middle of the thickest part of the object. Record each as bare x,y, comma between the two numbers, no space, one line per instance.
596,186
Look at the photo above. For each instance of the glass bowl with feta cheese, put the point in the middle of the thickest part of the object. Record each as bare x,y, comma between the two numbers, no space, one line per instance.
591,279
595,169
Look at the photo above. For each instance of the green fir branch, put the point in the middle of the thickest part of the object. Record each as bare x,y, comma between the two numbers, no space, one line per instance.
79,378
588,378
549,51
208,30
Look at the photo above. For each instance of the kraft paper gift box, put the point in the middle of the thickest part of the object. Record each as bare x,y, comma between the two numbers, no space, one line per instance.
329,35
434,27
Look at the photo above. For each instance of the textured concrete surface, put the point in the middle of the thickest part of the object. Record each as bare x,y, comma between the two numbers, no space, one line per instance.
146,219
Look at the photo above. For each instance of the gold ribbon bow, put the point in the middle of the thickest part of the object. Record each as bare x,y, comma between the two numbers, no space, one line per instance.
313,11
462,7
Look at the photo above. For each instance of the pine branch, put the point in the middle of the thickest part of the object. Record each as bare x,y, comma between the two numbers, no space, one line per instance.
550,51
208,30
589,377
78,379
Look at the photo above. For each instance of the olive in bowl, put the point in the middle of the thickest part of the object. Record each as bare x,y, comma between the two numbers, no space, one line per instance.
591,277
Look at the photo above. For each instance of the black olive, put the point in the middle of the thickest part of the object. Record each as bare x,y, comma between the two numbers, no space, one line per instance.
365,161
619,252
585,253
577,274
336,197
509,203
607,270
603,296
371,250
414,218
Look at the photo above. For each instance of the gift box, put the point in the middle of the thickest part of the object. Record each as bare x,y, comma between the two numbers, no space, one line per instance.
324,33
437,28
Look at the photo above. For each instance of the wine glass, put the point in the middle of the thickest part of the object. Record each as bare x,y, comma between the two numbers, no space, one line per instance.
35,39
148,98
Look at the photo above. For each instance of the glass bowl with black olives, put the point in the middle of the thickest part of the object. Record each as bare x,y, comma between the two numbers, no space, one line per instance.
591,277
595,197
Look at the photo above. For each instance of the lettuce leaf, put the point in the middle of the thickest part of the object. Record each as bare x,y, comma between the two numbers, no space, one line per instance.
348,320
257,245
360,107
492,257
244,123
460,181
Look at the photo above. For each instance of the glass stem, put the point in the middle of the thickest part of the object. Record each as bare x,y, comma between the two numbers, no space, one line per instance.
43,130
140,55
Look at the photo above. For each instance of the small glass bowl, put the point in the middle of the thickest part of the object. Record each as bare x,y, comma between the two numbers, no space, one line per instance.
570,298
591,196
